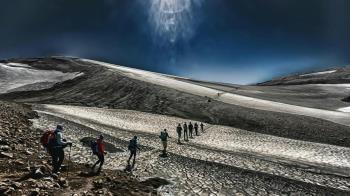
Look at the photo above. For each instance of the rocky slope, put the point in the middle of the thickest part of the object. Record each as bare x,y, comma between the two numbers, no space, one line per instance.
329,76
24,168
101,87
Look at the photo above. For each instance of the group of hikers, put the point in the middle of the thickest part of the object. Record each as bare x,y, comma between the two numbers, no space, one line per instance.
54,143
188,130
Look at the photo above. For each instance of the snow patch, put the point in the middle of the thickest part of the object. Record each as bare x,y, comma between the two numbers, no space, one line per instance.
18,65
334,85
215,136
345,109
319,73
22,77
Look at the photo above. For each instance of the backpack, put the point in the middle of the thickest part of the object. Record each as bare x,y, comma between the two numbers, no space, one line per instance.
163,136
132,145
47,138
93,146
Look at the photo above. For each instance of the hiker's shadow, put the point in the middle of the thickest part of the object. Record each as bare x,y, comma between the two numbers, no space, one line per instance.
89,174
130,167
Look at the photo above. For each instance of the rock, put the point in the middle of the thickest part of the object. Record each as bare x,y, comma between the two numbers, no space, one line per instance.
16,185
54,176
4,148
3,187
48,179
35,192
3,142
56,185
38,174
28,152
6,155
18,162
63,182
9,191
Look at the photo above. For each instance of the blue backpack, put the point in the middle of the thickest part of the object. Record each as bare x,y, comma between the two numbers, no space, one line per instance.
93,146
132,145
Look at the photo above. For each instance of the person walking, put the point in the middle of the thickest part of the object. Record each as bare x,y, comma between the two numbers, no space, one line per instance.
133,147
100,153
196,128
164,138
202,127
190,128
58,148
185,132
179,132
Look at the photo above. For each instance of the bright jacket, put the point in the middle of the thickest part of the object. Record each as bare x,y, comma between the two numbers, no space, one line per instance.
59,139
100,146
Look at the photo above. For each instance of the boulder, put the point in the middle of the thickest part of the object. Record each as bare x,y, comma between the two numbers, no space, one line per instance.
28,152
6,155
16,185
63,182
38,174
3,142
35,192
18,162
4,148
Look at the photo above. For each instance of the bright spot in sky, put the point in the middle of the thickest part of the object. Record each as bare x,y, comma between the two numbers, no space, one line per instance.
172,20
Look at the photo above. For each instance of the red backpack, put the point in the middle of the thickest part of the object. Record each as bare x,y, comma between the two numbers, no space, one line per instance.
46,137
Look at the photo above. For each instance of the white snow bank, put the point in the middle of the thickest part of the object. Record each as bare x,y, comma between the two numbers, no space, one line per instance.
229,98
18,65
345,109
345,85
319,73
15,76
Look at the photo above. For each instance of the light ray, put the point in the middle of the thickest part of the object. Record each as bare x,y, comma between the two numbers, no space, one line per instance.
172,20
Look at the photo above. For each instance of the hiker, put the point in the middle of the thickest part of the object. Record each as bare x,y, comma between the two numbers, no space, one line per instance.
133,147
196,128
58,144
164,137
202,127
190,128
179,130
185,132
99,151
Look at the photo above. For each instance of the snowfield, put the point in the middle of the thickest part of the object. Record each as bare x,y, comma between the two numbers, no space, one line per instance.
229,98
235,158
319,73
17,77
216,137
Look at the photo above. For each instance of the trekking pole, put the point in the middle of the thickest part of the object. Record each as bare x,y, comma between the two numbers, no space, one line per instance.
70,149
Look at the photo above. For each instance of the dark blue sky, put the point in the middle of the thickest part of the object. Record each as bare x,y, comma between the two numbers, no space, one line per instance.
237,41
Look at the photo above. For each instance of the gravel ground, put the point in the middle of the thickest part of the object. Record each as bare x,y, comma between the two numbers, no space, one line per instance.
232,171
